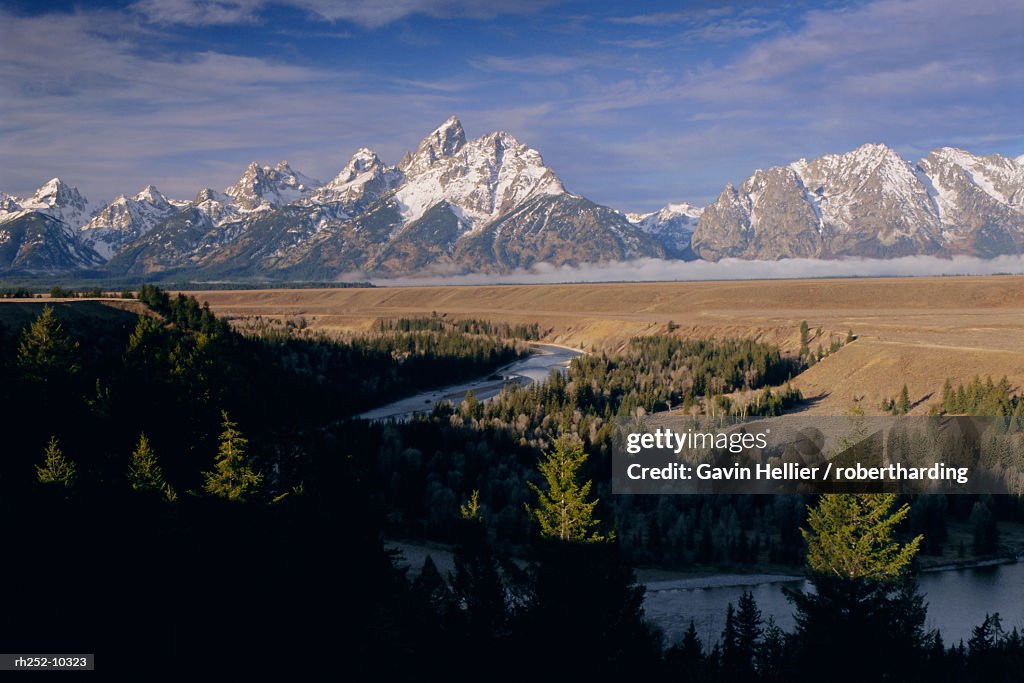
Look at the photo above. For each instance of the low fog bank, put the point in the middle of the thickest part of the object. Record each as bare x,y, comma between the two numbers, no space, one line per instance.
655,270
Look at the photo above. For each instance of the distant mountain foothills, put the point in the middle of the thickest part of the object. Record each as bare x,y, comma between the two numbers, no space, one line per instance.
492,205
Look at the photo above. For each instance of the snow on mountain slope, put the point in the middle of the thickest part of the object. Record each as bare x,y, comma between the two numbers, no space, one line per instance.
54,198
870,188
268,187
491,204
869,202
480,180
672,226
126,219
999,177
36,242
364,180
979,200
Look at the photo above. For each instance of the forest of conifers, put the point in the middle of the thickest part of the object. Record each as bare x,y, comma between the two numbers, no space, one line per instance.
183,492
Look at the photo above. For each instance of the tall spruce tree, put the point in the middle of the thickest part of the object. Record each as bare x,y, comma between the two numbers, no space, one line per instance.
56,469
46,351
731,663
145,473
805,339
476,583
470,510
563,509
686,660
771,656
851,537
232,477
864,599
903,405
748,634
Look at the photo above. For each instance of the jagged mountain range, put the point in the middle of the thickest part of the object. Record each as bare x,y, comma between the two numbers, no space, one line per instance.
492,205
871,203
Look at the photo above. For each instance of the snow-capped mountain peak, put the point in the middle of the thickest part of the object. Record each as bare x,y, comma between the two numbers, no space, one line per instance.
999,177
61,201
126,219
870,202
208,194
216,205
50,189
364,159
672,226
445,141
480,179
681,209
364,179
150,195
492,204
265,187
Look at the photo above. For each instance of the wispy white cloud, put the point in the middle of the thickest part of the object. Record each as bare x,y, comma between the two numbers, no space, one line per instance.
109,98
682,16
541,65
82,100
727,30
199,12
912,73
448,86
374,13
637,43
367,13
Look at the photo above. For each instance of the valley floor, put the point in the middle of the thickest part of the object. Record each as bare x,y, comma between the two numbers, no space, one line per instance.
913,331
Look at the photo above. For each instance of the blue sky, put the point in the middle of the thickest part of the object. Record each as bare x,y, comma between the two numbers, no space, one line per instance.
633,104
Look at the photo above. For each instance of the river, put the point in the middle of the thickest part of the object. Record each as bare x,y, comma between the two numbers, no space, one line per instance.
534,368
958,599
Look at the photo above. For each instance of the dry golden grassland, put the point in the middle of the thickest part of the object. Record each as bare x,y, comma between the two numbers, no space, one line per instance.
917,331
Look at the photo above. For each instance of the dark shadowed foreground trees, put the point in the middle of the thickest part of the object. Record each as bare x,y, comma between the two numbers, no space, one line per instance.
293,578
585,613
864,600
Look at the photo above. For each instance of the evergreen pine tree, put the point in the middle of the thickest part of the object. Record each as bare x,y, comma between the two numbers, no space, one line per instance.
56,469
476,583
771,656
731,662
232,476
563,511
432,591
46,351
470,405
585,617
470,510
984,648
851,537
902,406
148,343
863,598
748,631
688,657
145,473
805,349
947,397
